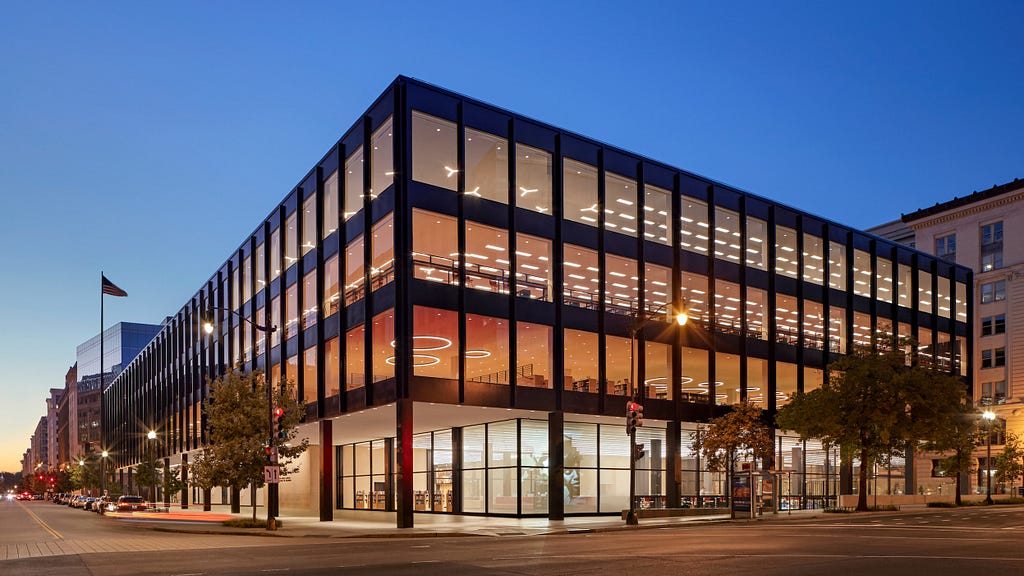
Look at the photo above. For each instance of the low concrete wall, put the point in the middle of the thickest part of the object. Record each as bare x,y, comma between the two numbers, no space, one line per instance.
910,499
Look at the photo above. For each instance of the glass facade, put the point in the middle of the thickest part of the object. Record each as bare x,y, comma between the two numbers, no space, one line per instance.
445,252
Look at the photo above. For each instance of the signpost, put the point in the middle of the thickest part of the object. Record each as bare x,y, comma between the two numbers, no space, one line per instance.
271,474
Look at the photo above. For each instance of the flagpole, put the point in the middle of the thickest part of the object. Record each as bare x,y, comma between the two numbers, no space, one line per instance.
103,419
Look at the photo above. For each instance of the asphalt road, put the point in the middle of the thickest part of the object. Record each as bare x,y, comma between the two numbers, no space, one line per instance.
932,542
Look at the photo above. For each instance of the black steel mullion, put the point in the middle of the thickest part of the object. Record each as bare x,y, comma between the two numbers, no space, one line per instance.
640,386
773,325
461,219
676,284
513,328
744,343
367,266
711,303
555,269
801,308
602,339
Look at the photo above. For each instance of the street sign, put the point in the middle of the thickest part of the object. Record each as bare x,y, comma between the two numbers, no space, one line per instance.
271,474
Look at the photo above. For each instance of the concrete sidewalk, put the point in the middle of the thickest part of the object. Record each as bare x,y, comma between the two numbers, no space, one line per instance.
355,524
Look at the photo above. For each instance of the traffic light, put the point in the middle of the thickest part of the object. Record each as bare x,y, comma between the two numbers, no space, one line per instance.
632,417
638,452
282,434
639,415
267,452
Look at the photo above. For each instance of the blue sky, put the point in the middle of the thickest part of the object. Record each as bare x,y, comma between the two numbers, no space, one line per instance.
147,140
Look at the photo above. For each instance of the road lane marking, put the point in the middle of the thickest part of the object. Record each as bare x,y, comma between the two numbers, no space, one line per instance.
39,521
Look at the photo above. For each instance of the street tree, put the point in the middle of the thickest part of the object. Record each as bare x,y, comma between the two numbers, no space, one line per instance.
147,474
1009,464
878,401
205,473
957,440
239,429
739,434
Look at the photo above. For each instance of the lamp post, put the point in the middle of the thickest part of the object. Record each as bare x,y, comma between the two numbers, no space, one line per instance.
151,435
103,472
989,417
268,329
633,407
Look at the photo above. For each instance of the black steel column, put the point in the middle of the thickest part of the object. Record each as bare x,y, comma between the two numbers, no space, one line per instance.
556,465
326,470
184,481
403,449
673,464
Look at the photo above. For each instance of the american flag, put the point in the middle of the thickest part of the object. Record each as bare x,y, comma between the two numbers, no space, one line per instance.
111,288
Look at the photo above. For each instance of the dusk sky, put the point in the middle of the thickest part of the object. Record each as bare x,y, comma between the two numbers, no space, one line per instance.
148,139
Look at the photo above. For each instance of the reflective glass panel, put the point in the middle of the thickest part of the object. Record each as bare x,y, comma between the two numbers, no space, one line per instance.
434,159
486,166
620,204
533,179
579,182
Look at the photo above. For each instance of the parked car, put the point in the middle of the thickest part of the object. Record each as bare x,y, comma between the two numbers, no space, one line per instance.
78,501
87,503
131,504
103,505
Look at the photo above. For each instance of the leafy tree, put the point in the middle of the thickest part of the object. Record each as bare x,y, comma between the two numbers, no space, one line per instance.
876,403
205,473
739,434
1009,463
237,414
148,474
170,482
958,437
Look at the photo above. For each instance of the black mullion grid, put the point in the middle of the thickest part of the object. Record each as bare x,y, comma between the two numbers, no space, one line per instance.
744,373
676,284
800,304
915,302
318,290
826,305
712,289
402,242
772,312
342,230
367,266
851,259
557,285
300,299
513,328
873,293
602,346
460,190
282,312
894,295
641,297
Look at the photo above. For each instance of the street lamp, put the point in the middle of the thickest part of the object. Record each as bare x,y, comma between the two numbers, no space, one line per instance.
990,417
103,472
209,323
633,408
152,467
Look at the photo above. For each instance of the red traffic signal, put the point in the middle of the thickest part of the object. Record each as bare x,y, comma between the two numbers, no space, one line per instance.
278,412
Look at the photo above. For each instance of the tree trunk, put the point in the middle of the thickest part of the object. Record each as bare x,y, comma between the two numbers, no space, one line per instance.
252,500
956,490
207,496
862,483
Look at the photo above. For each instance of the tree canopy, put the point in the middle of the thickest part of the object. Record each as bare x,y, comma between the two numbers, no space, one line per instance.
741,433
875,404
239,431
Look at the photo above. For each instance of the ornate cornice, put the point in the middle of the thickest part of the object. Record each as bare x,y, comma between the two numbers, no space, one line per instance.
970,210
